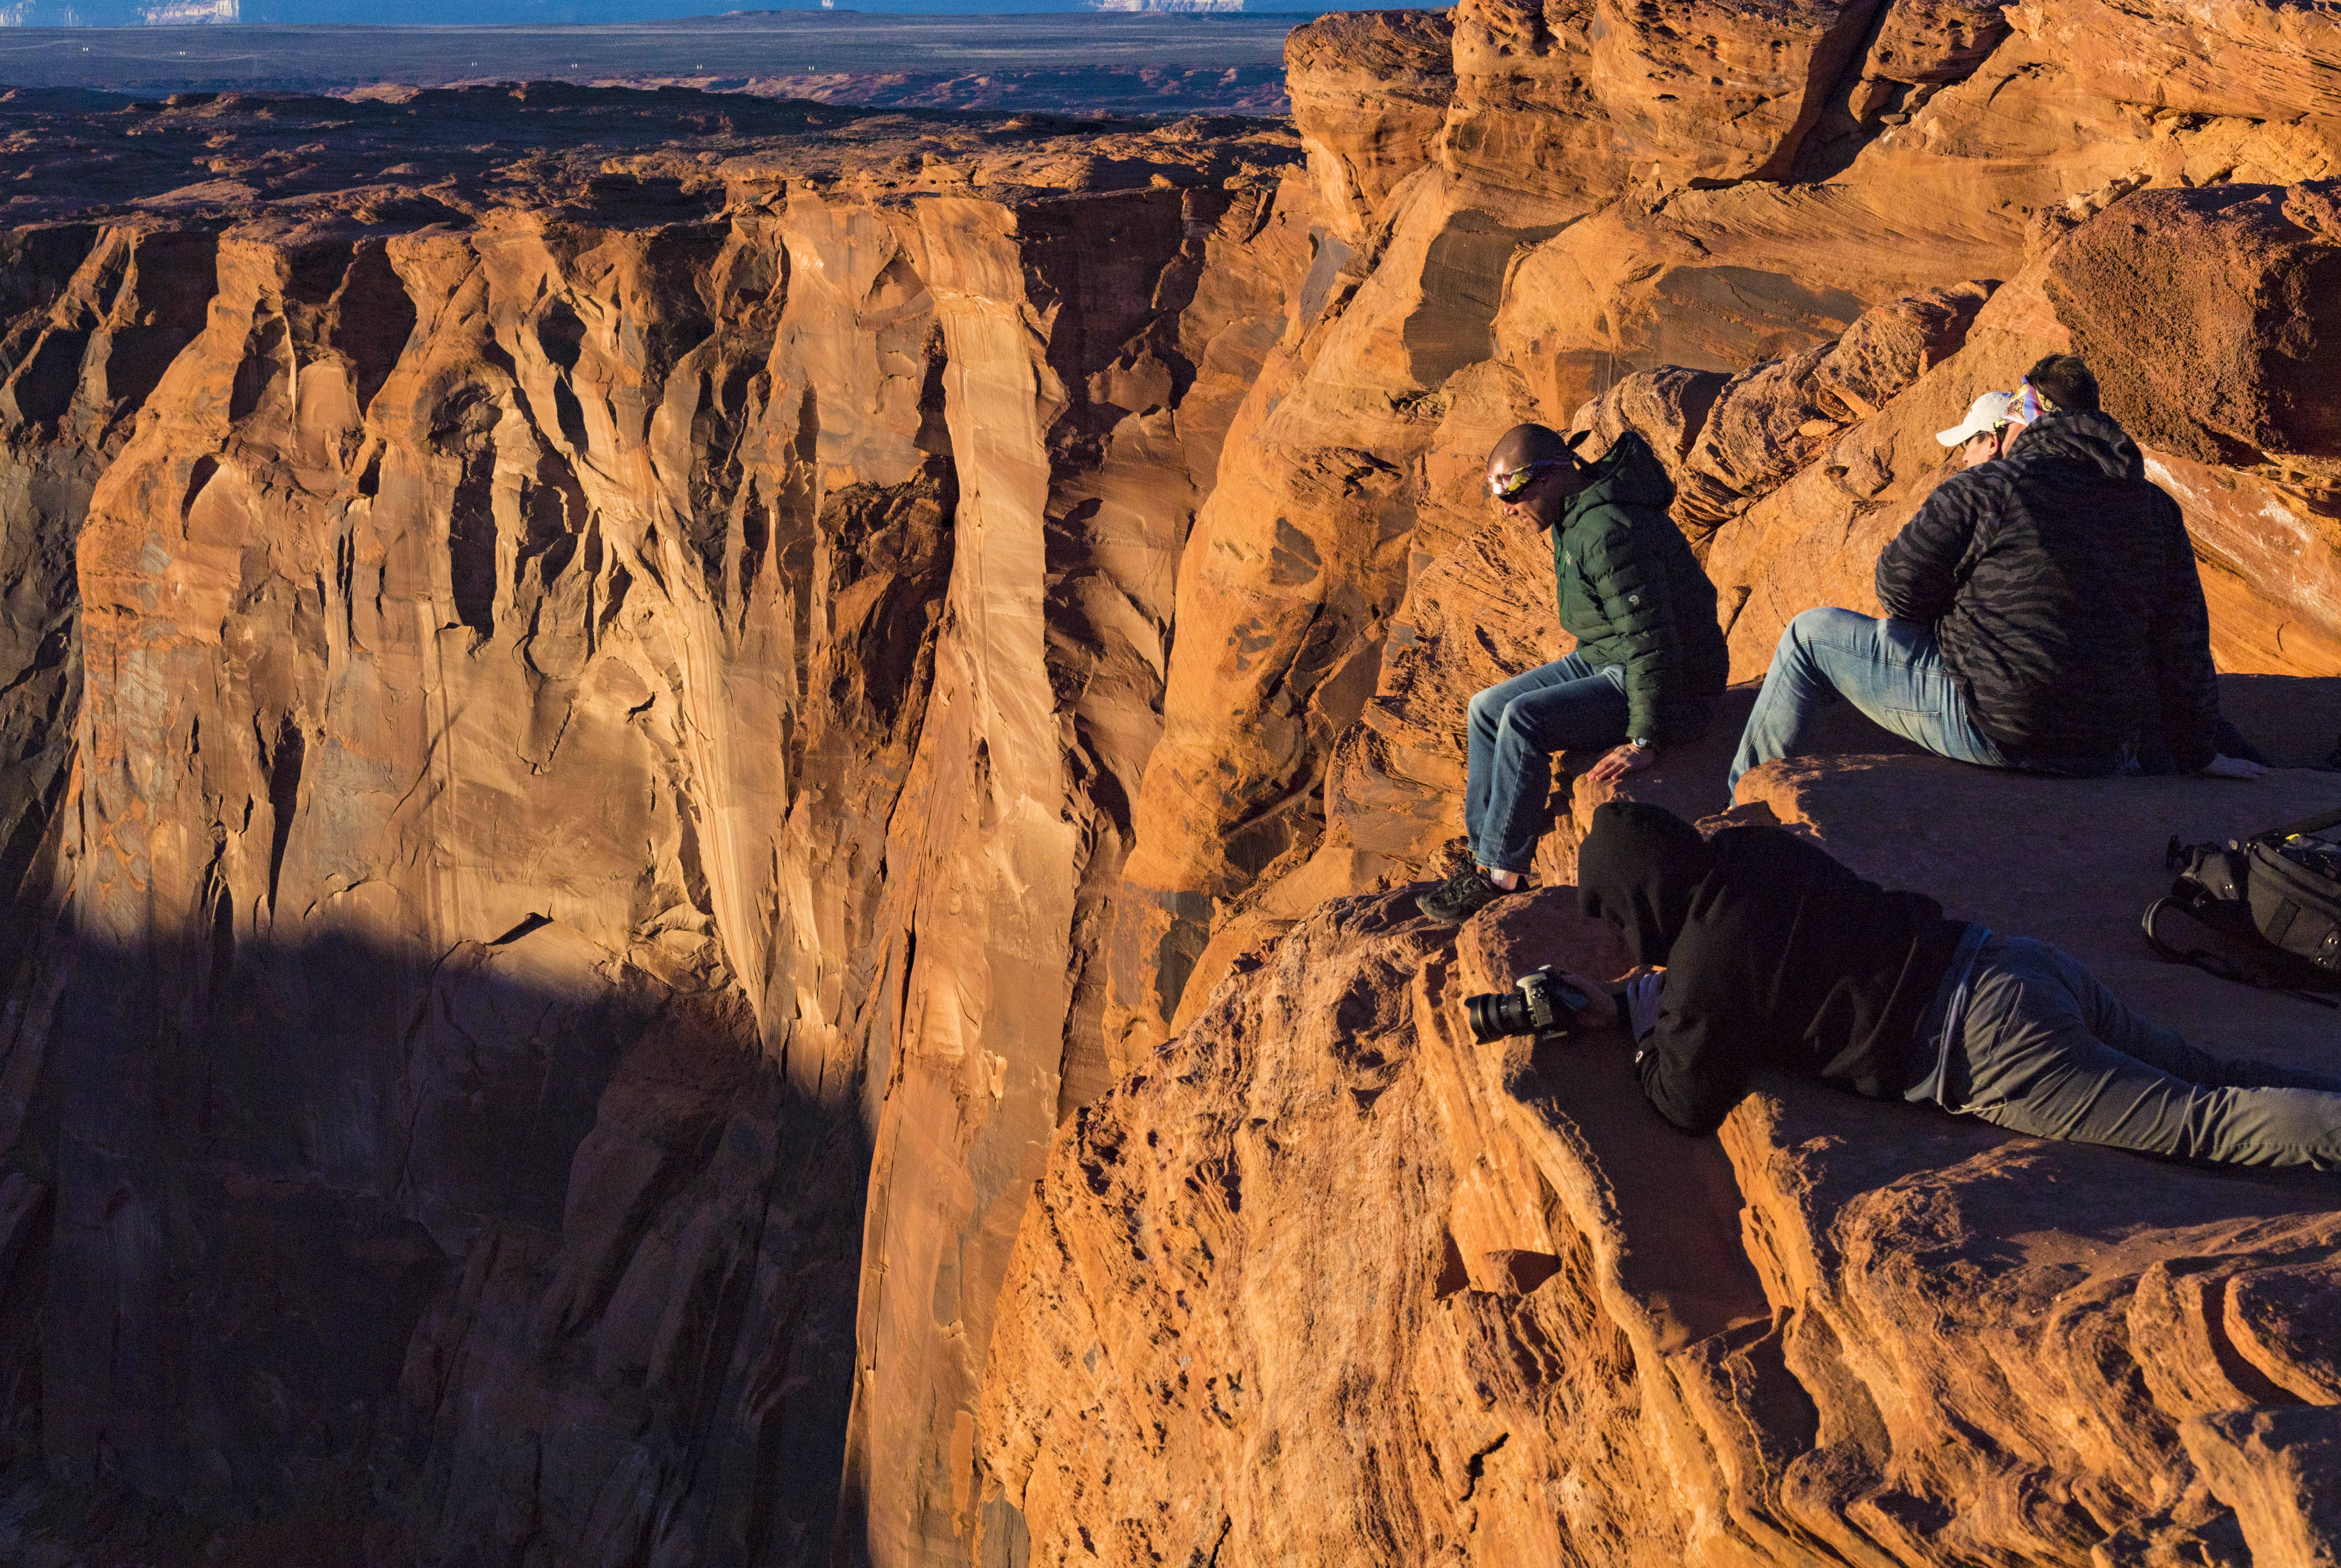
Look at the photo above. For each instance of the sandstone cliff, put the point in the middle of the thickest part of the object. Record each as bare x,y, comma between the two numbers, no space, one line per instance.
1318,1281
572,715
699,799
1325,1281
1905,205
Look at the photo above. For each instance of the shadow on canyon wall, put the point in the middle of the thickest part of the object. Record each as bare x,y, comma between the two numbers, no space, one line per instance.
515,1255
588,831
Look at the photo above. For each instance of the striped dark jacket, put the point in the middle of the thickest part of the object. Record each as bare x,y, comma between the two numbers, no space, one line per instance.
2063,596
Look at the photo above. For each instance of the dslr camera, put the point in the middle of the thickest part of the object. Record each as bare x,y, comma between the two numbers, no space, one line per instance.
1539,1003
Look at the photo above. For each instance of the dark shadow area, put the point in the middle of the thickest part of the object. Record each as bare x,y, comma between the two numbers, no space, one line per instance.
334,1254
2294,720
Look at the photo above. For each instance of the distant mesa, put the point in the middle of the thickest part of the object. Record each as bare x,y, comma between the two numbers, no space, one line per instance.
1213,5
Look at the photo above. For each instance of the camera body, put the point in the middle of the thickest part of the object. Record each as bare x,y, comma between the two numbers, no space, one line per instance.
1540,1003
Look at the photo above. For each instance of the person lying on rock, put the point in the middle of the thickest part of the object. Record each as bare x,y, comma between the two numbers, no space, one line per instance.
1770,954
1649,663
2044,610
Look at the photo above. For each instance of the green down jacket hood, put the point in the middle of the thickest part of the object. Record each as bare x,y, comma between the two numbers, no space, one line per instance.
1631,593
1629,474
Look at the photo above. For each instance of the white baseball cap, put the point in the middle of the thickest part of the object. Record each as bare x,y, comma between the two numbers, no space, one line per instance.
1984,415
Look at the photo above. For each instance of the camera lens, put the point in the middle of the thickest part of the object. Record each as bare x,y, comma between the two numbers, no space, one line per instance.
1496,1014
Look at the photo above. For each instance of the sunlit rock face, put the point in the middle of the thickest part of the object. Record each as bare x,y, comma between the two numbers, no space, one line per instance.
1329,1279
1320,1280
1787,301
568,764
704,808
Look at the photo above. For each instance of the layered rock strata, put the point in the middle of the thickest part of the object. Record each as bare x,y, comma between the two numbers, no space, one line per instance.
1789,311
572,722
1326,1280
1321,1280
616,708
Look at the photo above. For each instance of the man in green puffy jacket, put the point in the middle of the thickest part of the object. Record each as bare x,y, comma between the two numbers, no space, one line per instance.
1649,662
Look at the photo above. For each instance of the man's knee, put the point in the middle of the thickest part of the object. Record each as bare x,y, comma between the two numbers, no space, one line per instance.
1486,708
1511,730
1813,626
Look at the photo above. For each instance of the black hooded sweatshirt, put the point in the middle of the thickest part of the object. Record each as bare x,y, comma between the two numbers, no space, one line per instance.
1776,955
2062,594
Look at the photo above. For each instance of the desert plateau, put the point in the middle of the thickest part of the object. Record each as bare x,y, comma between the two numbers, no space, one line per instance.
711,799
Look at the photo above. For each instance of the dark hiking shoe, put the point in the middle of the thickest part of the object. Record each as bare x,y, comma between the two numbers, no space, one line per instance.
1460,897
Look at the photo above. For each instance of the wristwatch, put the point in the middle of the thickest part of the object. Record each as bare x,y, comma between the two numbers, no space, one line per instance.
1639,744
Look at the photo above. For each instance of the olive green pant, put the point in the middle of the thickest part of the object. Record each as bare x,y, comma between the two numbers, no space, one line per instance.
2046,1051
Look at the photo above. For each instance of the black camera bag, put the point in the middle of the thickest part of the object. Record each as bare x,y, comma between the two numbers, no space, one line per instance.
2249,911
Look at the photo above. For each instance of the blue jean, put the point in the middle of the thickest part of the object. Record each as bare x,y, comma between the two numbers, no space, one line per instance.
1516,727
1891,670
2045,1051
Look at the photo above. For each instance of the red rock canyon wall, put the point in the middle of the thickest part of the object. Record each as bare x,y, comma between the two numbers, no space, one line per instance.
578,810
699,803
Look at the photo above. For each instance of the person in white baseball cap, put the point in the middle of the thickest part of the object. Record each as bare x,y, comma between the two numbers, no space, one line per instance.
1993,421
2043,609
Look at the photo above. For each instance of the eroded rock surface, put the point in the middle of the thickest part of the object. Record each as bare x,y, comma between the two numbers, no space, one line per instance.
1788,307
617,706
1553,1331
572,715
1326,1280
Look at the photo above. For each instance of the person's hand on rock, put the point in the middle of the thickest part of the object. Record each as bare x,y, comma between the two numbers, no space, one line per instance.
1620,760
2225,767
1642,994
1598,1012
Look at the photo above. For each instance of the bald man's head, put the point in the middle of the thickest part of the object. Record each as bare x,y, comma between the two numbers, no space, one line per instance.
1524,444
1531,471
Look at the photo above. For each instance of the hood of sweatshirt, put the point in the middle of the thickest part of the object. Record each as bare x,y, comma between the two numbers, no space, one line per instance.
1627,474
2091,437
1638,870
